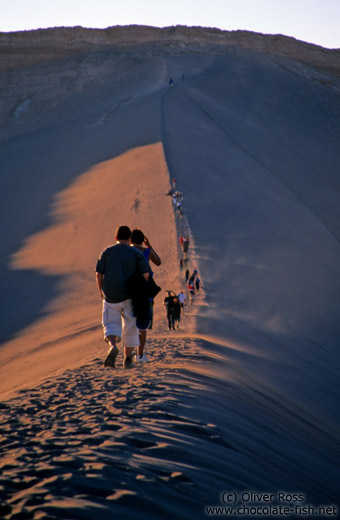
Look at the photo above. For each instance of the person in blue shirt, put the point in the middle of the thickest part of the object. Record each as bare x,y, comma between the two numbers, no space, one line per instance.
141,242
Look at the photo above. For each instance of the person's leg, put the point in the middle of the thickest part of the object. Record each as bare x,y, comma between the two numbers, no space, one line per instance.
130,336
142,341
128,353
172,319
112,340
178,319
112,331
112,323
142,336
110,359
169,319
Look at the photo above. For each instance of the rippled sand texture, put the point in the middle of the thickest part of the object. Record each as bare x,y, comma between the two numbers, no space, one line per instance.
97,442
158,440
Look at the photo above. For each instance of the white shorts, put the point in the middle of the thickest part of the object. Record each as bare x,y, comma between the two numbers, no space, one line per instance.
118,320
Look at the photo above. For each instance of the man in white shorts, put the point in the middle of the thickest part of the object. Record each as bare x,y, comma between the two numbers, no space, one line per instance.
116,264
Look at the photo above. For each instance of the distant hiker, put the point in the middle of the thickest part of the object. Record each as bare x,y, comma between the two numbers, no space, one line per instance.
183,241
182,299
177,312
187,274
191,288
141,242
173,185
185,244
115,266
197,284
169,302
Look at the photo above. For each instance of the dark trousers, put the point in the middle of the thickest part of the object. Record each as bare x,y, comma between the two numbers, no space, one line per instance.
171,319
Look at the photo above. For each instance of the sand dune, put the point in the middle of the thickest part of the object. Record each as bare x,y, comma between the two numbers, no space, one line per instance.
131,188
245,395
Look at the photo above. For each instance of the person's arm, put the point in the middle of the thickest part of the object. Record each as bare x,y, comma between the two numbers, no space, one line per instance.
100,278
153,255
143,266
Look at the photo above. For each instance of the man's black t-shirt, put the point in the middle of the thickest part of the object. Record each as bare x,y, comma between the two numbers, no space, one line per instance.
169,303
118,263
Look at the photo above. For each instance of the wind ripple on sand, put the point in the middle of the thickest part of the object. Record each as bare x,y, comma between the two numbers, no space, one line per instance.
162,440
96,441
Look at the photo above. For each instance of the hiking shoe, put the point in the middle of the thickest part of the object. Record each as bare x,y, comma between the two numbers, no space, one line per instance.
127,362
111,357
143,359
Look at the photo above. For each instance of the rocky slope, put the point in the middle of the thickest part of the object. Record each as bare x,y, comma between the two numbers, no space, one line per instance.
47,74
51,44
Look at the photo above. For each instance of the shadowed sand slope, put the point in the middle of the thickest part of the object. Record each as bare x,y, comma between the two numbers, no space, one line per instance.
245,395
257,146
